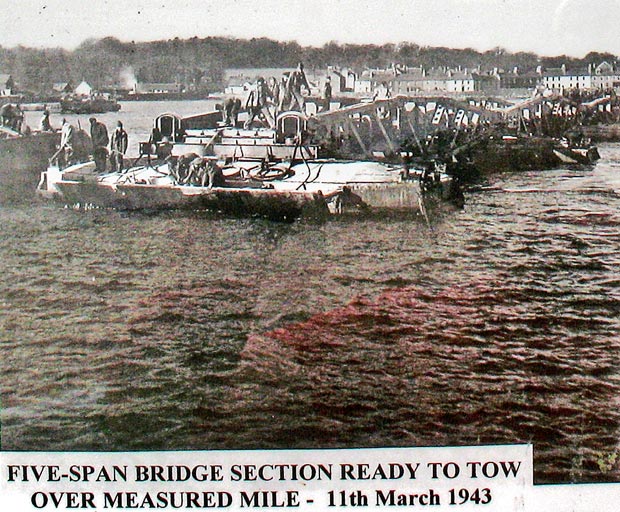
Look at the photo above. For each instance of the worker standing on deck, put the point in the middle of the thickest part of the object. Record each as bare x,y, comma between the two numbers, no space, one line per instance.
230,112
235,111
327,94
256,104
65,153
118,147
44,124
296,81
226,111
284,98
20,126
100,140
274,93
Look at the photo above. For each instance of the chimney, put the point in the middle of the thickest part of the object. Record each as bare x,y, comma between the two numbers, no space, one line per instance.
563,69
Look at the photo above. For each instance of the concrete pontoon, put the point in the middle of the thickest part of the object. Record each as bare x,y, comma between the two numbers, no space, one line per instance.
267,172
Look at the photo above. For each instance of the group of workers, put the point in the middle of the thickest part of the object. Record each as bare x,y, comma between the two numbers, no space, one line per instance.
265,100
12,117
102,144
263,103
192,169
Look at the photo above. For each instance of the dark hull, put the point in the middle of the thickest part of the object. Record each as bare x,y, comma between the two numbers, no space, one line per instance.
89,107
166,96
271,204
586,156
524,155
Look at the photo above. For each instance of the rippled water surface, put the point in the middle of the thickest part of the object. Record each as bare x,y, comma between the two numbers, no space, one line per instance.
499,324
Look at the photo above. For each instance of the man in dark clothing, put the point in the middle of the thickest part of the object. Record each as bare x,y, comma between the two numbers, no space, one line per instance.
118,146
235,111
256,105
327,94
215,176
45,125
182,169
226,110
100,140
296,81
231,107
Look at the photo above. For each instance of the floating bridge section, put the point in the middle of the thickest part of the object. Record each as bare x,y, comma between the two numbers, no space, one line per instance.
378,128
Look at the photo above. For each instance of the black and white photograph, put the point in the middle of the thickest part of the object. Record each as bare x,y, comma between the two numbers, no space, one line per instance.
261,225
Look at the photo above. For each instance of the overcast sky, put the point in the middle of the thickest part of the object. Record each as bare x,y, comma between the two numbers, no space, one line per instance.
552,27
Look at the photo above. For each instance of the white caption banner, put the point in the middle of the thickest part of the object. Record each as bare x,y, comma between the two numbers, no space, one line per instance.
491,478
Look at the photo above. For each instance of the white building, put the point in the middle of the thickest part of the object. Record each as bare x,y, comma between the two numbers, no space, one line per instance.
559,79
371,79
419,80
605,77
459,81
84,89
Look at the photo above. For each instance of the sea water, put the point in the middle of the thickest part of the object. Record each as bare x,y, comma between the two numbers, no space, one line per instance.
499,323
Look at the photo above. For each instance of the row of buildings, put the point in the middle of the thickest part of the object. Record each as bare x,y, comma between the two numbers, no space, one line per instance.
396,80
603,76
84,89
417,80
8,88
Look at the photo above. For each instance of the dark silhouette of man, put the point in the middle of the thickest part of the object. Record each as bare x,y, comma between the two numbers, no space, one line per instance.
100,140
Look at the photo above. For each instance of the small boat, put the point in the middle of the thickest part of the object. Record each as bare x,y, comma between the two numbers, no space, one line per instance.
94,105
52,106
576,155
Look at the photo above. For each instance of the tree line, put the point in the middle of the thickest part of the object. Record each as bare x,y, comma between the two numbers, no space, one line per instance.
200,62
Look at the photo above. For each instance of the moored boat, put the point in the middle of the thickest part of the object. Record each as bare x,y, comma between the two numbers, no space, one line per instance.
576,155
95,105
